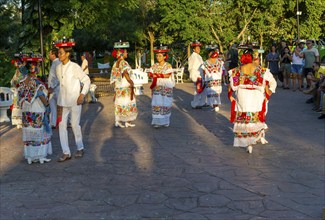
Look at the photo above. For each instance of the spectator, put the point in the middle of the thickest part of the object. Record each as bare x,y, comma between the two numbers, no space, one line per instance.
316,79
232,57
273,59
321,93
285,59
310,56
283,45
296,69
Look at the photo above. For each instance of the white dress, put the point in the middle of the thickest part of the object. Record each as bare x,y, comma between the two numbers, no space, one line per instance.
125,109
212,76
162,95
16,113
36,129
249,110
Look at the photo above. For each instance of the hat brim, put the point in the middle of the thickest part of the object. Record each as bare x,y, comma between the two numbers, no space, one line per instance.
32,59
68,44
161,51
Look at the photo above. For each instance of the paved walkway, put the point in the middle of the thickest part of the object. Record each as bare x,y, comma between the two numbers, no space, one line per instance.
187,171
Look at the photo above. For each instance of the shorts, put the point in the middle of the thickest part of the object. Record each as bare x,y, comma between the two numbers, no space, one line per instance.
307,70
287,67
296,68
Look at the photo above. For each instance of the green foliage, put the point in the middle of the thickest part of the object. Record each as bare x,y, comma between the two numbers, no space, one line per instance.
97,24
7,70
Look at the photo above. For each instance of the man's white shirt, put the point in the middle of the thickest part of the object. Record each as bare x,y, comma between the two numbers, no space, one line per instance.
53,80
83,66
194,63
71,76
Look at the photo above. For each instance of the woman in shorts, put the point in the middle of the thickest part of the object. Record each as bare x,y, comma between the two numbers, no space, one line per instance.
296,69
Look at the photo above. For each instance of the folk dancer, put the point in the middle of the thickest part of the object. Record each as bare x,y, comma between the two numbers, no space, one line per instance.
194,63
35,115
16,113
162,85
71,97
252,86
211,74
125,106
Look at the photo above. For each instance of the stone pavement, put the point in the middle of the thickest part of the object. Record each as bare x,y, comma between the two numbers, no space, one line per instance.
187,171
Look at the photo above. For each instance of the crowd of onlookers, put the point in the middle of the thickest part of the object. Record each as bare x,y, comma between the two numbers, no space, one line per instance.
299,68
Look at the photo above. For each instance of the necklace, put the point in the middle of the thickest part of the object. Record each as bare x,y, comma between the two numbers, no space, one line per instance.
63,72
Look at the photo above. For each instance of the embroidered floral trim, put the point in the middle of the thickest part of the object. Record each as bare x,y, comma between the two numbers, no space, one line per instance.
213,95
32,119
163,91
126,110
161,110
240,78
247,117
247,135
212,68
28,92
36,143
213,83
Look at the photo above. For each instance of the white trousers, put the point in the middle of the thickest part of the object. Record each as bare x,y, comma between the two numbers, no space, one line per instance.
53,106
75,113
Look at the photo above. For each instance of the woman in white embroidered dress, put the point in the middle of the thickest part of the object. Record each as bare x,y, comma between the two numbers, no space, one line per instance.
125,103
162,89
35,116
211,73
253,86
16,117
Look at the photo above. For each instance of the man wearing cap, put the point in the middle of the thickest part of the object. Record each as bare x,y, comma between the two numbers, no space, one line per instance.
71,97
194,63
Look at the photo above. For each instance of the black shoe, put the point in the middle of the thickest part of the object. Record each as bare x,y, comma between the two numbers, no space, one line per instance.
79,154
322,116
309,101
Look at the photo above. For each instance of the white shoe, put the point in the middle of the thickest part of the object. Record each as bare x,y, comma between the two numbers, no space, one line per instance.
29,160
128,124
216,109
264,141
156,126
42,160
166,126
249,149
118,124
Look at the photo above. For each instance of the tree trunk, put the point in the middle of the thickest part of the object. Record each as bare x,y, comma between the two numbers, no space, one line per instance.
152,40
244,28
217,38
